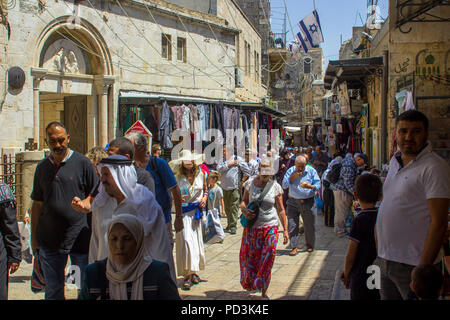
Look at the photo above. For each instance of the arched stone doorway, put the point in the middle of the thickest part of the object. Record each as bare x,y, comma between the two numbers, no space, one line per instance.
73,84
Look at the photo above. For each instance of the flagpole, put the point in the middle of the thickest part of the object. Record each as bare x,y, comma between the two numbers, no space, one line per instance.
314,3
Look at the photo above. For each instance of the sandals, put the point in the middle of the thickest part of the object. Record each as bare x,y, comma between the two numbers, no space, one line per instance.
187,284
309,249
195,279
293,252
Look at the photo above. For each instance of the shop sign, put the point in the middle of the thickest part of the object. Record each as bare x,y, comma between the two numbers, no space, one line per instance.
140,127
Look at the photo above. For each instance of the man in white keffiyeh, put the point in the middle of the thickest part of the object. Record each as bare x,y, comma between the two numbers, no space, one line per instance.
120,193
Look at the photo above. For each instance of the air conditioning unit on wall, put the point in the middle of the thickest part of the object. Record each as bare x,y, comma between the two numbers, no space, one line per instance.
238,77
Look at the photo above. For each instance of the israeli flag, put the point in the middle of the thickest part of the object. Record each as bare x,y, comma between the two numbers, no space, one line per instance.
310,34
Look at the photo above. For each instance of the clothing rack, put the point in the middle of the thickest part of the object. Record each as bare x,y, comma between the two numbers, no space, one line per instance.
156,99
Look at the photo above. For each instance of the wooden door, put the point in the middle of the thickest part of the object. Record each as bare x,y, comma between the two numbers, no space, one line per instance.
75,109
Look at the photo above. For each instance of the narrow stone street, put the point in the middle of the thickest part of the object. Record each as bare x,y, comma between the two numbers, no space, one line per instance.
307,276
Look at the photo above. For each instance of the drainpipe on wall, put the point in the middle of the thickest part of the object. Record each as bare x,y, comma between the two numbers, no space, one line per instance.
384,106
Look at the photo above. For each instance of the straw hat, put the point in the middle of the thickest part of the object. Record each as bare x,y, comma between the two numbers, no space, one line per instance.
187,155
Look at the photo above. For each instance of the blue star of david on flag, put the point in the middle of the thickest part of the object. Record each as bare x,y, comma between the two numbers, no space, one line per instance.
310,34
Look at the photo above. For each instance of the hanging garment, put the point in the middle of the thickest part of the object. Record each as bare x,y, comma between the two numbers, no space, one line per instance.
401,100
194,118
150,123
165,128
229,119
157,114
202,121
409,104
226,123
254,131
186,122
217,113
211,119
236,119
207,109
178,116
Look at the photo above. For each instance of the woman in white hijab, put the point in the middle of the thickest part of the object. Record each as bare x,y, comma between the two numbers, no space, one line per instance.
128,267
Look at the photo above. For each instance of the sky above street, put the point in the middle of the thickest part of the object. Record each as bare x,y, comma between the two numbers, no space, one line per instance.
337,17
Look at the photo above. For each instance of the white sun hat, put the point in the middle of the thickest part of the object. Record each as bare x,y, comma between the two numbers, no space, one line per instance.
186,155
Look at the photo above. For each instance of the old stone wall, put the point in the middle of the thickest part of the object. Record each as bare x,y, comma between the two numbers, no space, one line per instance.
419,60
133,41
252,89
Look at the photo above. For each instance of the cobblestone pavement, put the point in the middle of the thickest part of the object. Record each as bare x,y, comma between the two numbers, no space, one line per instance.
307,276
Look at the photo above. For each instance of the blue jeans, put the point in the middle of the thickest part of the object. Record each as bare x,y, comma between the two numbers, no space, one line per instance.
53,269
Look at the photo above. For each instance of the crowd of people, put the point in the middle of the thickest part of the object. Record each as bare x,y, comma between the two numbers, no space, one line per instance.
111,211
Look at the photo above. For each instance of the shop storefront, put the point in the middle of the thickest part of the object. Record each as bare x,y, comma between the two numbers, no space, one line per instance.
163,114
348,110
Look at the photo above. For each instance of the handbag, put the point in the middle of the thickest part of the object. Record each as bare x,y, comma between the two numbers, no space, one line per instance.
254,206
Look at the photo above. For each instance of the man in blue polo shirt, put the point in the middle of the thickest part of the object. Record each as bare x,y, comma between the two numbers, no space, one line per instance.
302,182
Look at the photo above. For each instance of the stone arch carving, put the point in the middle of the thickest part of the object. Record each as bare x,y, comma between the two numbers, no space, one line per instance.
73,50
64,56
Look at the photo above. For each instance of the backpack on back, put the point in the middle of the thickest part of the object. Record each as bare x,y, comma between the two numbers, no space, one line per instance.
334,173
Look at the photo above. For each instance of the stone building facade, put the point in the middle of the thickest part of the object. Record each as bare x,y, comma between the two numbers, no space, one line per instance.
78,59
406,56
416,61
258,11
312,91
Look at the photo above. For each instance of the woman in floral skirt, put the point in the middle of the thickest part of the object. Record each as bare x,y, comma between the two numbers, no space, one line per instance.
258,246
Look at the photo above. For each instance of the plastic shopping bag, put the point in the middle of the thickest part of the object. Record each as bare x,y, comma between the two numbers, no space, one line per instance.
25,240
213,228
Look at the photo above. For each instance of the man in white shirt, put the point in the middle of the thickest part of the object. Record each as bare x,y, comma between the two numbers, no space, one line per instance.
412,218
229,168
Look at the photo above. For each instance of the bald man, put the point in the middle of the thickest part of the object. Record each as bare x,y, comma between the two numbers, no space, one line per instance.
302,182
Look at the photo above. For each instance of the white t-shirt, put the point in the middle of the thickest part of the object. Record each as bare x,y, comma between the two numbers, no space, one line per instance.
404,218
268,215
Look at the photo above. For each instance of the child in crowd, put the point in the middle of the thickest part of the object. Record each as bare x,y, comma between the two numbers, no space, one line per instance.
215,193
362,251
426,282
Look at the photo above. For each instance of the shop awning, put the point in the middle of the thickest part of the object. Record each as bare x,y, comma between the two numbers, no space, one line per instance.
353,71
145,98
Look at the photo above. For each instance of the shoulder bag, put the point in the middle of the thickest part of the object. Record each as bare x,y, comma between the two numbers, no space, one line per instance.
254,206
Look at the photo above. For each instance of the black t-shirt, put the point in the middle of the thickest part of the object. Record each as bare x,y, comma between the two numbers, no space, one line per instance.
60,227
362,231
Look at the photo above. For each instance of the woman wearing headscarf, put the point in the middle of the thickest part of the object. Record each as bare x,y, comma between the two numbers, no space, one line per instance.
190,258
258,246
128,273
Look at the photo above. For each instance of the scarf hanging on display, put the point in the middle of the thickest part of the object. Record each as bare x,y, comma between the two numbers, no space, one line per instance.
165,128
